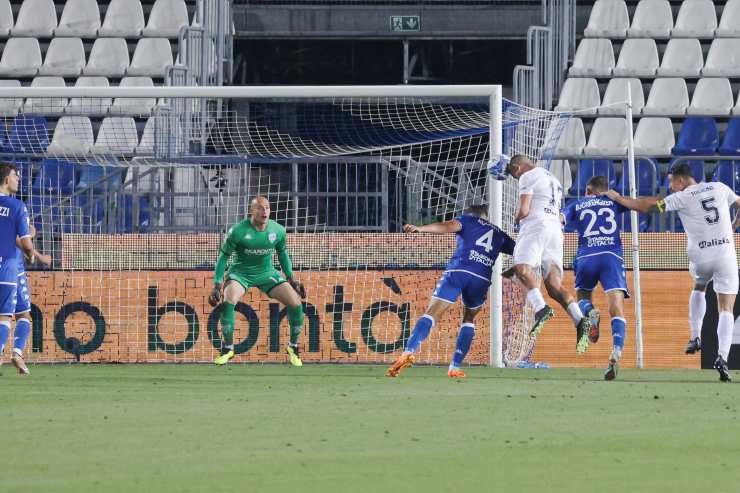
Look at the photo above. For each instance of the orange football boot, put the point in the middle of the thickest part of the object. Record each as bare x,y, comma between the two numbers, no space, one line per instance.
456,373
401,363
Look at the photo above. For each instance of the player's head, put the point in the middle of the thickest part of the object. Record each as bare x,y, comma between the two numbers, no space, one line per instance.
9,179
597,185
680,177
478,210
259,210
519,165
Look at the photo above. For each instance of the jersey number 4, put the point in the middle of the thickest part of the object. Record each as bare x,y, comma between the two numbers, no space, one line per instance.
486,241
608,214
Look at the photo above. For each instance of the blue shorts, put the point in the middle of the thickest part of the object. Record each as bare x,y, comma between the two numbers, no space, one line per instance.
8,288
23,294
606,269
474,289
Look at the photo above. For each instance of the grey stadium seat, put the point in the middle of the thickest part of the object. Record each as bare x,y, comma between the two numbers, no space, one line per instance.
711,97
9,107
616,92
667,97
608,19
729,25
594,58
37,18
73,136
108,58
608,138
723,59
117,135
696,19
579,94
80,18
46,106
6,18
682,58
89,106
146,145
572,140
134,106
123,19
638,58
65,57
166,19
21,58
151,57
652,19
654,137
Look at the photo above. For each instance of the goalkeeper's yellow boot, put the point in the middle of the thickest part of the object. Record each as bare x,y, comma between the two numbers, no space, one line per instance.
401,363
293,357
224,358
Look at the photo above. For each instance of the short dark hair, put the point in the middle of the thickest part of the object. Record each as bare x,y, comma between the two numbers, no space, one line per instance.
5,169
478,210
683,170
515,161
598,183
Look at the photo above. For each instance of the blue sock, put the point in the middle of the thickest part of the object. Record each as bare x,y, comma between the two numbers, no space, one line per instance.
585,306
618,328
4,329
464,338
421,331
22,331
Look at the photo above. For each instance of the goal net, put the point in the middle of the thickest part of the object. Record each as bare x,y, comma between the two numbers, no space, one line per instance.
132,191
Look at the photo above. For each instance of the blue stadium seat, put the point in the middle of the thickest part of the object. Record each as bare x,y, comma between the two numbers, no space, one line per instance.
25,169
698,136
697,170
100,178
125,223
647,180
731,143
28,135
569,227
728,172
4,144
55,176
592,167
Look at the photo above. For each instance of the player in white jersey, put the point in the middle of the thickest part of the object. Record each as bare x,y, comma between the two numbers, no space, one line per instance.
704,212
540,245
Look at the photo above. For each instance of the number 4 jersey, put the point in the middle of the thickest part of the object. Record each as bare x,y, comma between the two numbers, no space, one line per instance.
478,245
595,218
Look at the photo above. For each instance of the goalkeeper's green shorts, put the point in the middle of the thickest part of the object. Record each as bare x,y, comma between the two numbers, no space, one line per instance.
266,281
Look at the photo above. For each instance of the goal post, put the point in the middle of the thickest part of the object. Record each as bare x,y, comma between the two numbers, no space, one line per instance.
343,166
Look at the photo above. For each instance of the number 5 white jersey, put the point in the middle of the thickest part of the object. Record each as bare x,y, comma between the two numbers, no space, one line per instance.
546,193
704,210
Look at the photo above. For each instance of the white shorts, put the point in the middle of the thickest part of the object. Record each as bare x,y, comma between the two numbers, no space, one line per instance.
540,246
723,270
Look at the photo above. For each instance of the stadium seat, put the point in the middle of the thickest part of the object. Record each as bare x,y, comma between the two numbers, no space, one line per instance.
6,18
731,143
668,96
579,94
560,169
80,19
682,58
55,176
729,25
608,19
4,145
126,222
108,58
616,92
46,106
592,167
123,19
711,97
723,59
696,19
9,107
117,136
652,19
698,135
572,140
166,19
89,106
594,58
728,172
624,222
36,18
646,178
21,58
65,57
637,58
654,137
146,144
608,138
28,135
134,106
73,136
151,57
697,168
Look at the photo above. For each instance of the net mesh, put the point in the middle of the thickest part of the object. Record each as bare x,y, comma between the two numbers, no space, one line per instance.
133,206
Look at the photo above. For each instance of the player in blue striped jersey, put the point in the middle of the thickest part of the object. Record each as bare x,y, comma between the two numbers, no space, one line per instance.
13,225
468,274
600,259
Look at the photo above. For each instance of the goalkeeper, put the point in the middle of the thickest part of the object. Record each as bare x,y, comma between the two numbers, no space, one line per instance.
253,243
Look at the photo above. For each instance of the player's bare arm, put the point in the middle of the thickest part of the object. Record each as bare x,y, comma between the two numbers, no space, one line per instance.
645,205
525,203
435,228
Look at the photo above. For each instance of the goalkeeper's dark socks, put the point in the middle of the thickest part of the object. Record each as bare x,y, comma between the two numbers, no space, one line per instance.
226,349
618,329
421,332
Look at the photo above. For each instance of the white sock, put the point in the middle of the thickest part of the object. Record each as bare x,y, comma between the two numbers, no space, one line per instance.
697,309
575,312
724,333
534,296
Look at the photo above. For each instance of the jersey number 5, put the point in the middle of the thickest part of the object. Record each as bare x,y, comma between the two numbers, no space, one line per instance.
708,205
486,241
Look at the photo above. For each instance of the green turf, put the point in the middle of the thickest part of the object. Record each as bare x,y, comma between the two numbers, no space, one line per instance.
347,428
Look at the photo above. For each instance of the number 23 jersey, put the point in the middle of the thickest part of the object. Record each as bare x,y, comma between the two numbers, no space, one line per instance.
595,218
704,210
478,245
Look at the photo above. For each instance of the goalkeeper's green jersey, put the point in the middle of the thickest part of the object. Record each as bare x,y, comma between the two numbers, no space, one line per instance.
253,250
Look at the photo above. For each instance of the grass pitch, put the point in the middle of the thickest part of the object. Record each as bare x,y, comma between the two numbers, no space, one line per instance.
180,428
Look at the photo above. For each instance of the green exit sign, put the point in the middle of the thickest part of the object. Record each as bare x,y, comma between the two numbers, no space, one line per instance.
405,23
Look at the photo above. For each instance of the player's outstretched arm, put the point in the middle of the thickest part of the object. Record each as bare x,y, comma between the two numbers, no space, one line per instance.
644,205
435,228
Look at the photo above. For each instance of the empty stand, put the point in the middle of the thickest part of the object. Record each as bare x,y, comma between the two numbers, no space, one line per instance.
21,58
682,58
608,137
594,58
652,19
579,94
654,137
668,96
699,135
731,142
638,58
146,144
151,57
65,57
729,25
134,106
728,172
28,134
73,135
711,97
117,135
123,19
108,58
10,106
696,19
166,19
80,19
572,140
608,19
646,180
588,168
46,106
37,18
89,106
723,59
616,92
6,18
